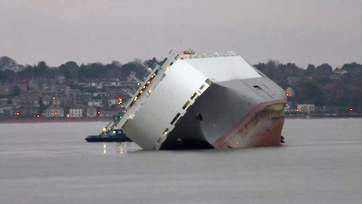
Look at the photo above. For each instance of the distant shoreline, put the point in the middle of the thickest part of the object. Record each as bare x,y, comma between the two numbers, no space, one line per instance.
51,120
332,115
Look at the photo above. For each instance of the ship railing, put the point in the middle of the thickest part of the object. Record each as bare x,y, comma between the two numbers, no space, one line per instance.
118,122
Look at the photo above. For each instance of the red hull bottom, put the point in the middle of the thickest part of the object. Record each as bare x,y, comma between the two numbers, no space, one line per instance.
271,137
261,127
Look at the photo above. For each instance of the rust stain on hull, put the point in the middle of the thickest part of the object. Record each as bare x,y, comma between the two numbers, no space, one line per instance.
260,127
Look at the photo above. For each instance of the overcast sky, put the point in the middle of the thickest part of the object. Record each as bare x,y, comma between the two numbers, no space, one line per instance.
300,31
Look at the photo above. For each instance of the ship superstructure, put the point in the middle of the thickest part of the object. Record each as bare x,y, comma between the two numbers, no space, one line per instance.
204,101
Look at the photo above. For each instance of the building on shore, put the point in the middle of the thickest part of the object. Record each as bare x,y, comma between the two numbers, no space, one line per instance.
54,112
6,111
91,112
305,108
75,113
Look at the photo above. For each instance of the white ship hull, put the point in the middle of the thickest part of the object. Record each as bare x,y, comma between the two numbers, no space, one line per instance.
205,102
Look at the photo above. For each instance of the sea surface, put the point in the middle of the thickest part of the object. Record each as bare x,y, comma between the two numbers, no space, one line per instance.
43,163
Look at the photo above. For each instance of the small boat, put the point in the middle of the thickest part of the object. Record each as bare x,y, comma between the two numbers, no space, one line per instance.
109,136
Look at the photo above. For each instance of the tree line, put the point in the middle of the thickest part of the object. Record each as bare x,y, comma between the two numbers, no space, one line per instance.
321,85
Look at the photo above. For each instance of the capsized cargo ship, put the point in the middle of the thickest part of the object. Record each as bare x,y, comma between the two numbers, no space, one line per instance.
196,101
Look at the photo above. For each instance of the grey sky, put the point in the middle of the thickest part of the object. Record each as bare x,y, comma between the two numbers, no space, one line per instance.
301,31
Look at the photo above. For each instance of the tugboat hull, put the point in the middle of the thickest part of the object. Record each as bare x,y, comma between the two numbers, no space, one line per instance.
97,138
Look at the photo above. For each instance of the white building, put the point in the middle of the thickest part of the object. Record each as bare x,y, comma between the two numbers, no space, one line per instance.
75,113
54,112
306,108
112,102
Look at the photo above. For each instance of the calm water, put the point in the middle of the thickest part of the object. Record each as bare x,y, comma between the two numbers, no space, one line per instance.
51,163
